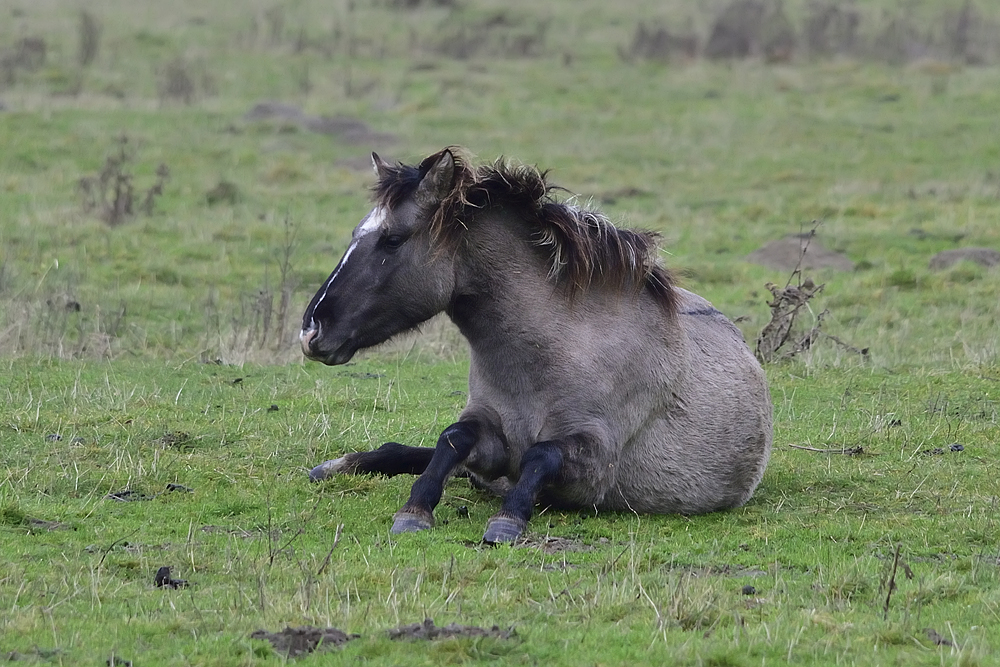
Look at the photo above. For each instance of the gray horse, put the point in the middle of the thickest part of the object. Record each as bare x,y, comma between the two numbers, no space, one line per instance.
595,382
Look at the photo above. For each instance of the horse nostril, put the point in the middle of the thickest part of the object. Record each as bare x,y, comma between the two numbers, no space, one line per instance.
305,338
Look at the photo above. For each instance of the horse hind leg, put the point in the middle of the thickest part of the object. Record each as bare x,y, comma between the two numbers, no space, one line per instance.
390,459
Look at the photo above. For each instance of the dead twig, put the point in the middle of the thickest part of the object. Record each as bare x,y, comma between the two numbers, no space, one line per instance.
890,585
850,451
113,545
336,539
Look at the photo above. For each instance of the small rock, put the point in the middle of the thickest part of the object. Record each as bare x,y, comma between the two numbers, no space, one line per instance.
748,590
955,447
53,437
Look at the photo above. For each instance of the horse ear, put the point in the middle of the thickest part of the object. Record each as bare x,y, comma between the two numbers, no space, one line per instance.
436,183
381,166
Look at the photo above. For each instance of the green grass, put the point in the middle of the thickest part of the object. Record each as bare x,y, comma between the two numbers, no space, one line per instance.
157,352
816,543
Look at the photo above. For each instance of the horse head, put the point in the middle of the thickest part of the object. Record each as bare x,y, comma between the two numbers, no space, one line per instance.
391,278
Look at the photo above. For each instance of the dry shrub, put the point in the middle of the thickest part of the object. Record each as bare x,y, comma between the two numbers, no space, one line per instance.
779,339
660,44
416,4
28,55
275,20
786,305
180,80
224,192
900,41
969,36
110,193
499,35
89,30
176,82
57,324
830,28
736,31
262,327
748,28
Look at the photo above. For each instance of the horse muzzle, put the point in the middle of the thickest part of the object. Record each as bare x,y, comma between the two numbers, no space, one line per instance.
305,338
309,339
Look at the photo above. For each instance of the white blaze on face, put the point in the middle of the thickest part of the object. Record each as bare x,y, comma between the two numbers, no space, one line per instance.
371,223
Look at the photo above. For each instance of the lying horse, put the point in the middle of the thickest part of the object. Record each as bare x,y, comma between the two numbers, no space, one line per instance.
595,382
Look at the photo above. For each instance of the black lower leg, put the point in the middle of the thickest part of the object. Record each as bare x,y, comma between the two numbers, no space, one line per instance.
392,459
452,448
540,464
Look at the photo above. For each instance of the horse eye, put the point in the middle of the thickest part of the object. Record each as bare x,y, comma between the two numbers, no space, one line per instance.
393,241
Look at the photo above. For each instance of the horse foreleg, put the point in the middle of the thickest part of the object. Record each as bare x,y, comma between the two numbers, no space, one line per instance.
540,464
390,459
452,448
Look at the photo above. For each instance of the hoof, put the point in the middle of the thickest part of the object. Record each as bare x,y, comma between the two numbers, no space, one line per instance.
503,530
326,469
408,522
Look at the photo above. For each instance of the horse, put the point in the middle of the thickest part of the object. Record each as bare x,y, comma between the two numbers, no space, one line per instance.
595,381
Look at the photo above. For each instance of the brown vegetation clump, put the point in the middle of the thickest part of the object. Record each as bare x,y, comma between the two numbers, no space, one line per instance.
110,193
778,339
826,28
736,31
28,55
180,80
502,34
786,305
830,28
89,30
661,44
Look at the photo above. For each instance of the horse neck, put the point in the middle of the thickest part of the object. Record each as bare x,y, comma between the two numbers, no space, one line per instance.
503,293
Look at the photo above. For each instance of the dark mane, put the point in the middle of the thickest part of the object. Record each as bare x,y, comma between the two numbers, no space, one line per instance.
584,246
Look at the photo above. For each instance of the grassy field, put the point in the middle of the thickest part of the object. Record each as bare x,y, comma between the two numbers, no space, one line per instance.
153,348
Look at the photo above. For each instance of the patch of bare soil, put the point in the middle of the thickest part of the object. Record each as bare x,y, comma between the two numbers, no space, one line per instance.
349,130
799,251
294,642
948,258
427,630
40,525
551,544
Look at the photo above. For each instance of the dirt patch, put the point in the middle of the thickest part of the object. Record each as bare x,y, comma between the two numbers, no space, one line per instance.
427,630
799,251
41,525
350,130
948,258
553,545
294,642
